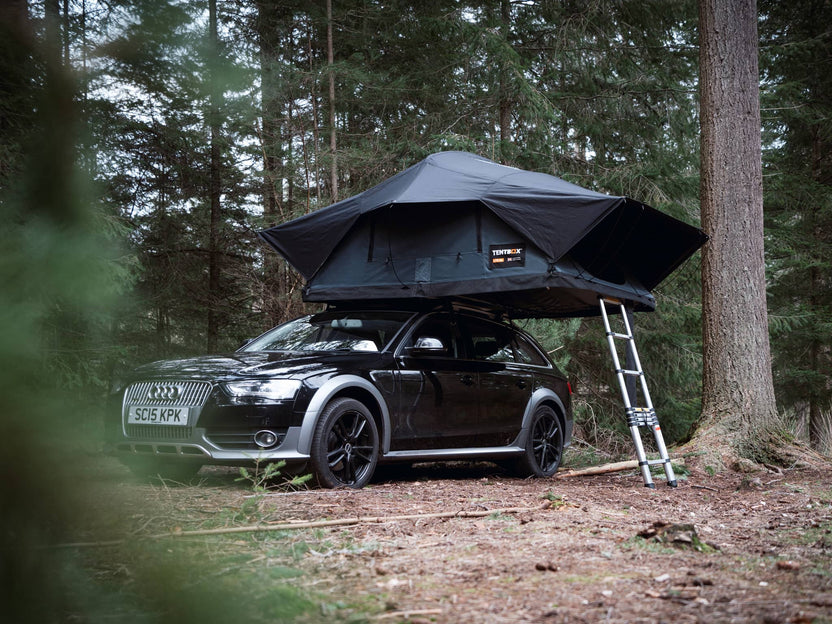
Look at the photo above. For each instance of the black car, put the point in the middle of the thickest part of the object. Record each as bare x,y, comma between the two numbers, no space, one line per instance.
337,392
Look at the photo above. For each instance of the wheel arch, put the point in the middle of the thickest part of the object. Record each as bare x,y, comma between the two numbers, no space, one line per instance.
345,386
543,396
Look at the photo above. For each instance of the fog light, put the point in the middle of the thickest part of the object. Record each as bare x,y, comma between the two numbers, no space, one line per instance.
265,438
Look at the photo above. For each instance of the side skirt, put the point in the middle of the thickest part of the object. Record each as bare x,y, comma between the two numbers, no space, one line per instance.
456,453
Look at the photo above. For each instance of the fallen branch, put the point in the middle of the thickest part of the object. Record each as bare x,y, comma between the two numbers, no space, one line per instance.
704,487
604,469
317,524
408,614
631,464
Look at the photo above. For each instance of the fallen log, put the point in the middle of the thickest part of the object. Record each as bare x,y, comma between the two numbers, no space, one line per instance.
631,464
603,469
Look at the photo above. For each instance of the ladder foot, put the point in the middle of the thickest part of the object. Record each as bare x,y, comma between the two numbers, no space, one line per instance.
672,483
652,486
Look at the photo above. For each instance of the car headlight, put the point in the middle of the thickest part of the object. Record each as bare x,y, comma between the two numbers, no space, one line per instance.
271,389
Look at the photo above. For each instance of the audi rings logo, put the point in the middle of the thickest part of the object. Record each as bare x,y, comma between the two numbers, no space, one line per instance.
164,392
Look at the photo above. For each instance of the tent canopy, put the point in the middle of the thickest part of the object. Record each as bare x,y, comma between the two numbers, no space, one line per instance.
460,225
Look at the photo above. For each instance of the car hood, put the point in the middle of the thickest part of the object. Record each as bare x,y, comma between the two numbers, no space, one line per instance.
255,364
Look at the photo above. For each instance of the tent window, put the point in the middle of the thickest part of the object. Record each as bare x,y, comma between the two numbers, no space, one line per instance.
423,269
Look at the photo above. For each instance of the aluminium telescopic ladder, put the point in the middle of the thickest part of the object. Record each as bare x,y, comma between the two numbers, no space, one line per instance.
637,416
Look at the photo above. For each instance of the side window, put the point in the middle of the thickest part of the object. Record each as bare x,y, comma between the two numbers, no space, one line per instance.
489,341
437,326
527,353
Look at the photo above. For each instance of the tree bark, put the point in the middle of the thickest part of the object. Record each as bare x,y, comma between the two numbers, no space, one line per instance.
314,97
271,106
214,183
330,57
270,19
820,421
738,393
505,98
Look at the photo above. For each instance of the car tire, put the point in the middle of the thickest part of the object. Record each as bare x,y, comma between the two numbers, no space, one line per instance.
150,468
544,446
345,445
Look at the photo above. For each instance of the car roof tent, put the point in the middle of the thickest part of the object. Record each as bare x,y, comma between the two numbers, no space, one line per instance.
457,225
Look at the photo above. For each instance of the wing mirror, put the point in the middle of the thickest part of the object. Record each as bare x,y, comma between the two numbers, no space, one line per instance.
427,345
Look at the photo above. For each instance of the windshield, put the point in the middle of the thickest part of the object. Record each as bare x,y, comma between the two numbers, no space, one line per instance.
333,331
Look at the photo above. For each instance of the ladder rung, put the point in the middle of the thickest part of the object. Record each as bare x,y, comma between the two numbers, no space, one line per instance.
621,336
634,373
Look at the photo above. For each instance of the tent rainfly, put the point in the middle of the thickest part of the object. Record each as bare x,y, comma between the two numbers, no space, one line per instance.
457,225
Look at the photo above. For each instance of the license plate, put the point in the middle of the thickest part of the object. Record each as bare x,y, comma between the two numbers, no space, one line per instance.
155,415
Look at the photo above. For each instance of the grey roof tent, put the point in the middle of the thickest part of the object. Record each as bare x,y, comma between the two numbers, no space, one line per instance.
457,225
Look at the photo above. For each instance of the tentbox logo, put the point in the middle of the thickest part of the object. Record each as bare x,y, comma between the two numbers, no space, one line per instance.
507,256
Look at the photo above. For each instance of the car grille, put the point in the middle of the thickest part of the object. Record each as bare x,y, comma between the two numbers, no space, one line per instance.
188,393
157,432
164,393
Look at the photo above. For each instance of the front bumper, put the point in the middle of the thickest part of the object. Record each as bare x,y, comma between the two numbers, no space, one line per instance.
199,446
219,429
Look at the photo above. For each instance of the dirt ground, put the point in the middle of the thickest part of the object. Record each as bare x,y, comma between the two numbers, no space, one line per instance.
723,548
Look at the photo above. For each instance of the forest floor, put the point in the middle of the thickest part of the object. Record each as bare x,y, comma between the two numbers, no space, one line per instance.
718,548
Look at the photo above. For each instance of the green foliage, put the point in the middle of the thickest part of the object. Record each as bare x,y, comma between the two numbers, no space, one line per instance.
557,500
265,474
552,336
61,269
213,583
263,477
797,96
157,168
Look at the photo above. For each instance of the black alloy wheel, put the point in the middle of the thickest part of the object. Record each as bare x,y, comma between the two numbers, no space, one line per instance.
544,447
345,445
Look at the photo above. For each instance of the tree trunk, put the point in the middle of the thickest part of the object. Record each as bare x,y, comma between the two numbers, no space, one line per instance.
330,57
274,29
820,423
271,106
505,98
214,184
738,401
314,97
54,32
66,33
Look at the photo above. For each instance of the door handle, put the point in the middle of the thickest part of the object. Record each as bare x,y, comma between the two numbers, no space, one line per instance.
521,384
468,380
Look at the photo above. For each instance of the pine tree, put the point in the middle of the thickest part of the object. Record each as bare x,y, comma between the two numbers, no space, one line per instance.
797,50
172,150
